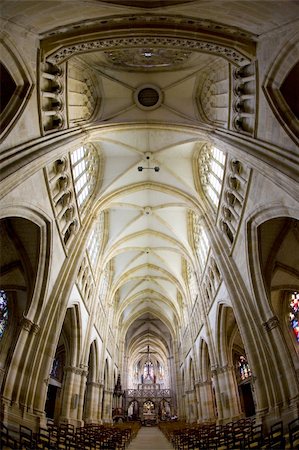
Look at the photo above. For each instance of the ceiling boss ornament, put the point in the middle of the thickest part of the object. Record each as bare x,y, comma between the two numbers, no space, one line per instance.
147,58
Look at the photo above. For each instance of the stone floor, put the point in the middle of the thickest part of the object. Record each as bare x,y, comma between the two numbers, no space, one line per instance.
150,438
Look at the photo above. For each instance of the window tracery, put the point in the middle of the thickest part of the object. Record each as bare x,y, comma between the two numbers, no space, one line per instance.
201,241
95,241
84,166
212,163
3,312
294,314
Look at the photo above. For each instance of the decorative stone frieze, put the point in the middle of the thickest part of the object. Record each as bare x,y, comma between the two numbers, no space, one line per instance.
183,22
66,52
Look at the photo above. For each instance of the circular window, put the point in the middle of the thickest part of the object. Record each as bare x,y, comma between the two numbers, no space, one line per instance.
148,97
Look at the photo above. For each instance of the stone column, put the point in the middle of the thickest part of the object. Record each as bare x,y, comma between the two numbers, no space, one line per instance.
284,382
207,403
92,402
198,402
217,392
229,396
14,380
71,411
173,383
191,406
83,378
107,410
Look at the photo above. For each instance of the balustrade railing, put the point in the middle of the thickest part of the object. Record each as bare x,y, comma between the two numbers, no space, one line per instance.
163,393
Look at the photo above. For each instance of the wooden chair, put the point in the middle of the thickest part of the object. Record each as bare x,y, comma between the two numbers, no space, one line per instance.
6,440
276,439
27,438
293,428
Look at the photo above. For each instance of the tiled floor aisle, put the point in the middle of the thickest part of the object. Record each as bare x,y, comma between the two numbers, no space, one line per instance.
150,438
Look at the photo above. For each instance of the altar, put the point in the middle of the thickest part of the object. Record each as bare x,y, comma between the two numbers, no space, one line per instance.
149,419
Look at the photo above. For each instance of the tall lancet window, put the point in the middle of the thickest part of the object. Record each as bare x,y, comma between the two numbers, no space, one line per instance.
294,314
85,168
3,312
211,166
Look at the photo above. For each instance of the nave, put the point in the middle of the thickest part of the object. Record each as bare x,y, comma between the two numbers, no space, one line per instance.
149,215
150,438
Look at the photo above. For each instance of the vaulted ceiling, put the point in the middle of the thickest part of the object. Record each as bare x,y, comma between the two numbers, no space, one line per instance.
149,58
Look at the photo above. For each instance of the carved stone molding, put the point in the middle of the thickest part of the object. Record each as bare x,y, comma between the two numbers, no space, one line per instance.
94,384
182,44
182,22
28,325
35,328
205,383
147,58
76,371
272,323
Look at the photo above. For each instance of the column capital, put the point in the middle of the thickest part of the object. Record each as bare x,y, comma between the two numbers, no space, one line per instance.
28,325
216,370
76,370
271,323
94,384
205,383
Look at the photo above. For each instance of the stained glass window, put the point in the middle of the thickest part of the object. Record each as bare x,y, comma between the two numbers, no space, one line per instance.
244,369
3,312
294,314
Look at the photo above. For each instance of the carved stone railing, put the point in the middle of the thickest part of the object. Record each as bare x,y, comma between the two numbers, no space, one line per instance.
146,393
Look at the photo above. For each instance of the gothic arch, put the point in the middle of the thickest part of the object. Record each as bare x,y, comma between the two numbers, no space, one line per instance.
263,259
37,276
204,361
285,61
26,238
22,86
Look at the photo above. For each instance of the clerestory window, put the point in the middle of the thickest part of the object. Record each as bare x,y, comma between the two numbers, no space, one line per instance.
211,166
85,167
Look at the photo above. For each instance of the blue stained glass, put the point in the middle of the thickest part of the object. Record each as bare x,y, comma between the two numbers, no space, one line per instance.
3,312
294,314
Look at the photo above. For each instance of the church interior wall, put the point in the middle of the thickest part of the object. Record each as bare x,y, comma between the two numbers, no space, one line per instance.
245,310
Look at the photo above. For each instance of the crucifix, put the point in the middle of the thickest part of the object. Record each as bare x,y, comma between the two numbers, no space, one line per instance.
148,361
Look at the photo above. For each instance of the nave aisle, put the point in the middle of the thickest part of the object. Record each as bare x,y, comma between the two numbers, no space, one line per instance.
150,438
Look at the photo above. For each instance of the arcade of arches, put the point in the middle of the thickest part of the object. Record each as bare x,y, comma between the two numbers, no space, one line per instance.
149,211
